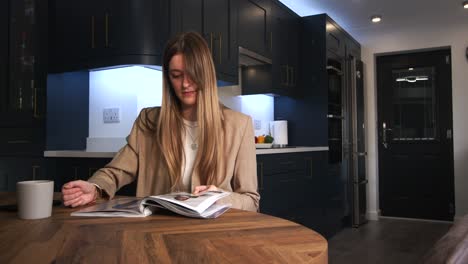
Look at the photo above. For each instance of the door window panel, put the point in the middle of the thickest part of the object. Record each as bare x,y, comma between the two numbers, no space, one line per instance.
414,104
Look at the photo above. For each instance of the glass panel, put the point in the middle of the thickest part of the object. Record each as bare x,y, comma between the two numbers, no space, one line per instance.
414,104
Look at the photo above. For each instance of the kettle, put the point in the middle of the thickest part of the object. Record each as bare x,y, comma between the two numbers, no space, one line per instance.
279,132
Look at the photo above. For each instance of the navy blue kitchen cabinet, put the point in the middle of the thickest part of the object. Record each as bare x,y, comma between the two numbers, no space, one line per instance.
335,38
317,113
322,45
4,23
281,27
353,48
216,20
71,169
296,186
254,26
14,169
94,34
285,37
22,91
186,15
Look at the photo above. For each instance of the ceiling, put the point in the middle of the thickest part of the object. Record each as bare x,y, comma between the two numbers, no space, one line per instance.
354,15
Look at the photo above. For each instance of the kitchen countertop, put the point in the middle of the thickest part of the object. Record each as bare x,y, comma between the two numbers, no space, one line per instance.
87,154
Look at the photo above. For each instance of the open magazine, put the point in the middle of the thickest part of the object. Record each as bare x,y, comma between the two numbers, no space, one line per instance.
202,205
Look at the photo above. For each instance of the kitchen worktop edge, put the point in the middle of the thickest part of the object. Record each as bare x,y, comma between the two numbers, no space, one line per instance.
88,154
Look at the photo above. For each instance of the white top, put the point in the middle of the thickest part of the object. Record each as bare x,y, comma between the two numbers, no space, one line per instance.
190,141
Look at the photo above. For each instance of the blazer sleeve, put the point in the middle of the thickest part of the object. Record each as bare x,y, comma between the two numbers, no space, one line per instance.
244,182
123,168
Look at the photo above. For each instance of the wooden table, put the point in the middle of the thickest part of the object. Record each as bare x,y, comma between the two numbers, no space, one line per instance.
235,237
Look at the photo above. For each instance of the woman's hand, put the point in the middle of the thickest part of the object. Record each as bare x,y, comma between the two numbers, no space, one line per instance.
204,188
76,193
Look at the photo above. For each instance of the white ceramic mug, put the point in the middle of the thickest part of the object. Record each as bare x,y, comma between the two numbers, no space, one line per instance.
34,199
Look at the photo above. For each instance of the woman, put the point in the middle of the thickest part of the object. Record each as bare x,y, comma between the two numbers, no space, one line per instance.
191,143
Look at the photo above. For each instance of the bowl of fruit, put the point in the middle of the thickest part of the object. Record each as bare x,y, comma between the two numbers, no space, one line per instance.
264,141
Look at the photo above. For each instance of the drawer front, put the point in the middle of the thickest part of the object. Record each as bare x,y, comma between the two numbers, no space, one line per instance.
281,163
24,140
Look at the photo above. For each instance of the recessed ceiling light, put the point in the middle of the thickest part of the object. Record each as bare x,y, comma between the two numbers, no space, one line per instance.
465,4
376,19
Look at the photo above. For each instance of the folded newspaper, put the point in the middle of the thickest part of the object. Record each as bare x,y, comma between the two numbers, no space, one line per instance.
202,205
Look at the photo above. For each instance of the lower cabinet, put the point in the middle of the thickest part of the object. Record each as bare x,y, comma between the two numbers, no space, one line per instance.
298,187
16,169
70,169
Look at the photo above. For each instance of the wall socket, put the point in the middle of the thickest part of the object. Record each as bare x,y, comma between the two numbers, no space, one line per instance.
257,124
111,115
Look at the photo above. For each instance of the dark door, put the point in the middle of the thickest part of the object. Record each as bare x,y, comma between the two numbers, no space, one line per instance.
415,135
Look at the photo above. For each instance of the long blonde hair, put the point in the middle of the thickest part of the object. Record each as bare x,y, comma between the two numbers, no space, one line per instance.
170,128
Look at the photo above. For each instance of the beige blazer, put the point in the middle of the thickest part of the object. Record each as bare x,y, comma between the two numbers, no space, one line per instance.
140,160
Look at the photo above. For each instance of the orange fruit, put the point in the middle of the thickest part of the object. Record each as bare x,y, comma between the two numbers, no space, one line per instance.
261,139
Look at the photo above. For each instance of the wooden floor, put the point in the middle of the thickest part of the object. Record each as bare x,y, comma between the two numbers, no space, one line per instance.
385,241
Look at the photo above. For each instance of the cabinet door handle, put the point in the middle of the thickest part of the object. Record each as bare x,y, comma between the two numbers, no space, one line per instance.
91,171
34,100
18,142
107,29
260,187
284,72
34,171
384,134
211,43
35,115
75,170
310,160
293,76
220,47
92,32
271,40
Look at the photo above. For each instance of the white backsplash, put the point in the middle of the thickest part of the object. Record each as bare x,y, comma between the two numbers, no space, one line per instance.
259,107
132,88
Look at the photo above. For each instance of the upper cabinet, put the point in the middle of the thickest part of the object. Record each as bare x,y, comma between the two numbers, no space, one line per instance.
285,36
335,39
324,48
92,34
216,20
220,29
186,15
3,55
271,30
254,24
23,74
353,48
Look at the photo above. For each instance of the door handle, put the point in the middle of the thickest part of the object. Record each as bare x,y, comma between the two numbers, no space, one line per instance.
384,134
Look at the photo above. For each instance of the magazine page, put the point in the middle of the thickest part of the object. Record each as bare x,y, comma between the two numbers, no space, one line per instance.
213,211
197,203
121,207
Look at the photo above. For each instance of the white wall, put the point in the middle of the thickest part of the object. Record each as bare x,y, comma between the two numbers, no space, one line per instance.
132,88
259,107
376,41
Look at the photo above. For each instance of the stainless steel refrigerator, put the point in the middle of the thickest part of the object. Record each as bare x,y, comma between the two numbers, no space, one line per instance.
357,179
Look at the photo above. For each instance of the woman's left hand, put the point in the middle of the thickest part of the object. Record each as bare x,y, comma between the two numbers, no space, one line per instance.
204,188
